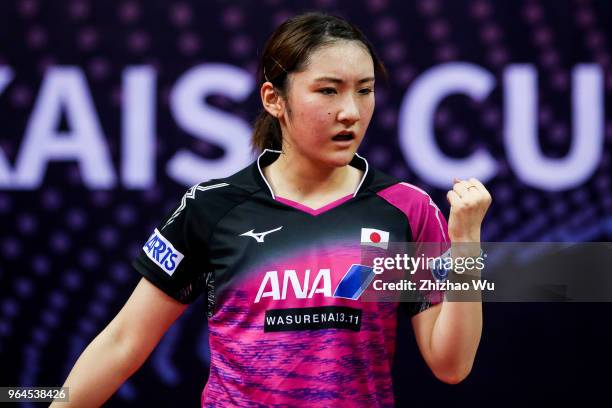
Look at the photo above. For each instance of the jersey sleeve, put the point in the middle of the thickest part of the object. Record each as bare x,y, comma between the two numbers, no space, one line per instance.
174,257
429,232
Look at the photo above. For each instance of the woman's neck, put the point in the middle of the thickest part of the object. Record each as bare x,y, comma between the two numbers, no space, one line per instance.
298,179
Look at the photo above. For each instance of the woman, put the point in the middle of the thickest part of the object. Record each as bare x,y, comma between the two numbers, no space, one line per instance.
276,249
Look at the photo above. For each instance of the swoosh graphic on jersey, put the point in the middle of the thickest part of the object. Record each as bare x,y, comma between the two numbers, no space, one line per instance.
259,236
190,194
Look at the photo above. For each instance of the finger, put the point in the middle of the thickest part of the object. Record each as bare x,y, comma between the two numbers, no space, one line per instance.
473,192
461,188
476,183
481,187
454,199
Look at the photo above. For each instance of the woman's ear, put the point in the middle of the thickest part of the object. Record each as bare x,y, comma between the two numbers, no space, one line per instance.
271,100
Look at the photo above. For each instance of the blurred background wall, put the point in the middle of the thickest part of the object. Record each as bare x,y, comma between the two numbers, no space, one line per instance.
109,110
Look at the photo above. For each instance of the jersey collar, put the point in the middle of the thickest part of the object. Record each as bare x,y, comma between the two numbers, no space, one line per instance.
268,156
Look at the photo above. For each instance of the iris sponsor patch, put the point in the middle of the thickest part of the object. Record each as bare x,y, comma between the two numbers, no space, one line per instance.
162,252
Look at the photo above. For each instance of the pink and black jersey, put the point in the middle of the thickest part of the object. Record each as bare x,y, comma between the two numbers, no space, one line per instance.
283,283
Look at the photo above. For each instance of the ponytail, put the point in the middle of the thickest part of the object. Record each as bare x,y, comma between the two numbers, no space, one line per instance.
267,133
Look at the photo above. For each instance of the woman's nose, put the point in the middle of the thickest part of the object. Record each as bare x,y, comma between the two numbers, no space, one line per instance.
349,111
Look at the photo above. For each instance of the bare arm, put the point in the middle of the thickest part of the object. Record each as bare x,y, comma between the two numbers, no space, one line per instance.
122,347
448,334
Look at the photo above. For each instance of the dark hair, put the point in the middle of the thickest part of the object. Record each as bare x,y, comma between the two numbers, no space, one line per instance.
288,50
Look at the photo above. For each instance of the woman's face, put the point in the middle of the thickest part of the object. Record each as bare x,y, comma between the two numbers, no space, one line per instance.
330,104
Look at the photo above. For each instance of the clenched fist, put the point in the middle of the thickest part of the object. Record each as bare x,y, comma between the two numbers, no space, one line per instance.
469,202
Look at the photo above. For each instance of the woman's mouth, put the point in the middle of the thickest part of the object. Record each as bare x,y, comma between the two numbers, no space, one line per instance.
343,137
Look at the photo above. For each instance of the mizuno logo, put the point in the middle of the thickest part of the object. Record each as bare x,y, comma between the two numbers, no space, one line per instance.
259,236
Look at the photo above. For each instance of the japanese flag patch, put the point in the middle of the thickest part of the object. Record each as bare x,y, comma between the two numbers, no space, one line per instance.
375,237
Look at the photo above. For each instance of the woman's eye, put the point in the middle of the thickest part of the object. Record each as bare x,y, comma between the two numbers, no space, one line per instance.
366,91
327,91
